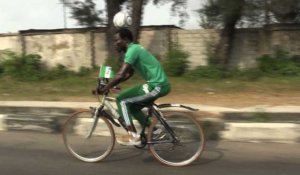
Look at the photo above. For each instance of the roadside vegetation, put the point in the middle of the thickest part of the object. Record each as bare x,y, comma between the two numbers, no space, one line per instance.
24,77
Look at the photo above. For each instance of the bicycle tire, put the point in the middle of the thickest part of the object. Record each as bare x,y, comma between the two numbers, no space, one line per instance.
191,137
93,149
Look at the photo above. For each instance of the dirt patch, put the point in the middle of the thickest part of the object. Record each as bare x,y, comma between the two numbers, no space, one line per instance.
236,99
239,99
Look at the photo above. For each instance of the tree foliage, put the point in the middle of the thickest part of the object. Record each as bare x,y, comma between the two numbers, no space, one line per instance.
178,8
287,11
228,15
85,13
255,13
222,14
210,15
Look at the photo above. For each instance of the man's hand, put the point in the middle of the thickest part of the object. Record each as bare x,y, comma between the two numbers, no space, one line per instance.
124,73
100,91
115,89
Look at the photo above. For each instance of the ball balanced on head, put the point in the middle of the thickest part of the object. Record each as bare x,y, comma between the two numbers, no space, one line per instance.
122,19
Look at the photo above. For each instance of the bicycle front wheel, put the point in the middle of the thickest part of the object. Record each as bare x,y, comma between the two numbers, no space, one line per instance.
83,144
183,150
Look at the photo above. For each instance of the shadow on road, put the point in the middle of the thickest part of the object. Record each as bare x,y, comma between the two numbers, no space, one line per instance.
210,154
121,153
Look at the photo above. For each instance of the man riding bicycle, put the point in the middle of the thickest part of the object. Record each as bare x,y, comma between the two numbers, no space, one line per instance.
157,84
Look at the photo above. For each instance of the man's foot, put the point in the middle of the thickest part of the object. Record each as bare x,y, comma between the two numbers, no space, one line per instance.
158,134
129,139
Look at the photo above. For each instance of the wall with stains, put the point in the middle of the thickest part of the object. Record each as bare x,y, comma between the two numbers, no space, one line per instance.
75,48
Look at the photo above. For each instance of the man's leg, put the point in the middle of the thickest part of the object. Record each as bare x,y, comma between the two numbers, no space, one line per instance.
139,115
128,99
124,109
149,97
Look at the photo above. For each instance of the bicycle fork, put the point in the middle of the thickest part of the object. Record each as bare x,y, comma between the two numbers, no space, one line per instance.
96,114
95,121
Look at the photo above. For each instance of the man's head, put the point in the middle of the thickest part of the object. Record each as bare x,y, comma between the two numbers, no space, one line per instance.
122,38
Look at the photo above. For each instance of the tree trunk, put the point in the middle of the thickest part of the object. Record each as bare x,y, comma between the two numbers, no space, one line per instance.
113,7
137,12
225,45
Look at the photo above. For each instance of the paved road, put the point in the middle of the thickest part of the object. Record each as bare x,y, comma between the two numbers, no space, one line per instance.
25,153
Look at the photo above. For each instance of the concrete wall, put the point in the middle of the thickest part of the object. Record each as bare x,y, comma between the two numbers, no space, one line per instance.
286,37
196,43
77,48
10,42
156,41
99,48
72,50
84,47
246,49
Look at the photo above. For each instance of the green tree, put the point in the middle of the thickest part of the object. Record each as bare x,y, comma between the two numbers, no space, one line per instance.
112,7
86,15
225,15
228,15
178,8
210,15
287,11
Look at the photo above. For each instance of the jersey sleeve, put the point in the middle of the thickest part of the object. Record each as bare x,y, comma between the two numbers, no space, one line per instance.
131,55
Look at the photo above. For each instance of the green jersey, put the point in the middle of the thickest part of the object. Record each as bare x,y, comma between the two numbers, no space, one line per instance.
146,64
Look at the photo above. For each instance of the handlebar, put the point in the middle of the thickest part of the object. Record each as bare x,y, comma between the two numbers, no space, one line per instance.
102,82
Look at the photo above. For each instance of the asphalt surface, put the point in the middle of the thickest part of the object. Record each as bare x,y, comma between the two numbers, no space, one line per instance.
32,153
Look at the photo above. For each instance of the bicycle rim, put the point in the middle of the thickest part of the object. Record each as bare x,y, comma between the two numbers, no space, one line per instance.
92,149
190,136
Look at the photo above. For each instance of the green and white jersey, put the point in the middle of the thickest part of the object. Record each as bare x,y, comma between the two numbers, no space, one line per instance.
146,64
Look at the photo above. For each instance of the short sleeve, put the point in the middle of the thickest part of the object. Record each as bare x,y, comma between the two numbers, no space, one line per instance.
131,55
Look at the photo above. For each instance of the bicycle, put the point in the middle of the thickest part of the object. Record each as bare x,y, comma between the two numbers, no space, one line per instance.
90,137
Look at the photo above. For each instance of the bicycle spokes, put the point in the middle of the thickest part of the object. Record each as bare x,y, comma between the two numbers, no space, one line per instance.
87,139
185,140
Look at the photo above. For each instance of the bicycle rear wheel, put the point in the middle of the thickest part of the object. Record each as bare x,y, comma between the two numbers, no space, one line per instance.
190,137
88,149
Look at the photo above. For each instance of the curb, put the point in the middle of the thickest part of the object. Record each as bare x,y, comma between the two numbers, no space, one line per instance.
38,118
2,122
253,124
262,132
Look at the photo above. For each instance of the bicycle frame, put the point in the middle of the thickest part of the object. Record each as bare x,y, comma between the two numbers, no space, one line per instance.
153,110
85,122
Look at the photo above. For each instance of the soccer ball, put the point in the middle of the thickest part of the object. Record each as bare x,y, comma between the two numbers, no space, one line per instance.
122,19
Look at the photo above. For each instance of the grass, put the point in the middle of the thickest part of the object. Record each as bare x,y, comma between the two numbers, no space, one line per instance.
234,85
79,88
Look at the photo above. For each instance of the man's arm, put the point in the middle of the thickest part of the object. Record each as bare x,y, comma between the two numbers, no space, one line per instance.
124,73
128,74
